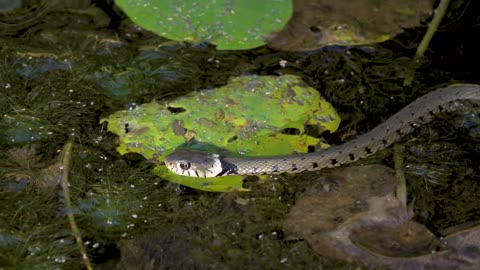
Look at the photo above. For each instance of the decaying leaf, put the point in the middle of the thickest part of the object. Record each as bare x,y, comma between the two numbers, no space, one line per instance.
353,215
318,23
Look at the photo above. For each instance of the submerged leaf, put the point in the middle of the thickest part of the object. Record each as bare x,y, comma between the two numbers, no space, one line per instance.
352,215
319,23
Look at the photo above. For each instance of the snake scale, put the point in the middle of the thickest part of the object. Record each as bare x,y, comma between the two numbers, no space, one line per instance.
203,164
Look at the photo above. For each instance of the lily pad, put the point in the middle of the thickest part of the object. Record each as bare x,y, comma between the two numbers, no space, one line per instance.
245,117
231,25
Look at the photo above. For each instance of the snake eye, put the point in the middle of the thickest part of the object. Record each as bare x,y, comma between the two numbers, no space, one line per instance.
184,165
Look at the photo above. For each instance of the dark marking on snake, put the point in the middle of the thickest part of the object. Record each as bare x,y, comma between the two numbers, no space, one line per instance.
294,167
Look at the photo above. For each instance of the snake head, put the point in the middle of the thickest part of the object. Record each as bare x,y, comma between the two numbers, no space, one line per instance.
194,163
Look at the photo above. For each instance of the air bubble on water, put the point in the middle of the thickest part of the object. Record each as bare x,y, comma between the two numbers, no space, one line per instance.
60,259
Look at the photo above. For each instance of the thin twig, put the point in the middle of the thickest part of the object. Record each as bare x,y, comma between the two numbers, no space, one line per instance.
66,160
422,47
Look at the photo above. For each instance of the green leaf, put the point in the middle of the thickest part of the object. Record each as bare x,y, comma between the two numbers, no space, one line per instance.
231,25
245,117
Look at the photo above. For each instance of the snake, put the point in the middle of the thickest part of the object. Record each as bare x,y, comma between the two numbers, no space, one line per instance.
197,163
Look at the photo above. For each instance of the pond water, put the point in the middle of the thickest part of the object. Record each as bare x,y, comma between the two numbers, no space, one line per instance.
67,64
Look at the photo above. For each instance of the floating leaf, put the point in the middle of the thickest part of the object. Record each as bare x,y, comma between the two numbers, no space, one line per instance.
245,117
231,25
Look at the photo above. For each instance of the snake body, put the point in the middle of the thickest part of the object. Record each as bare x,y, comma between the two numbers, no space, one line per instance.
202,164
